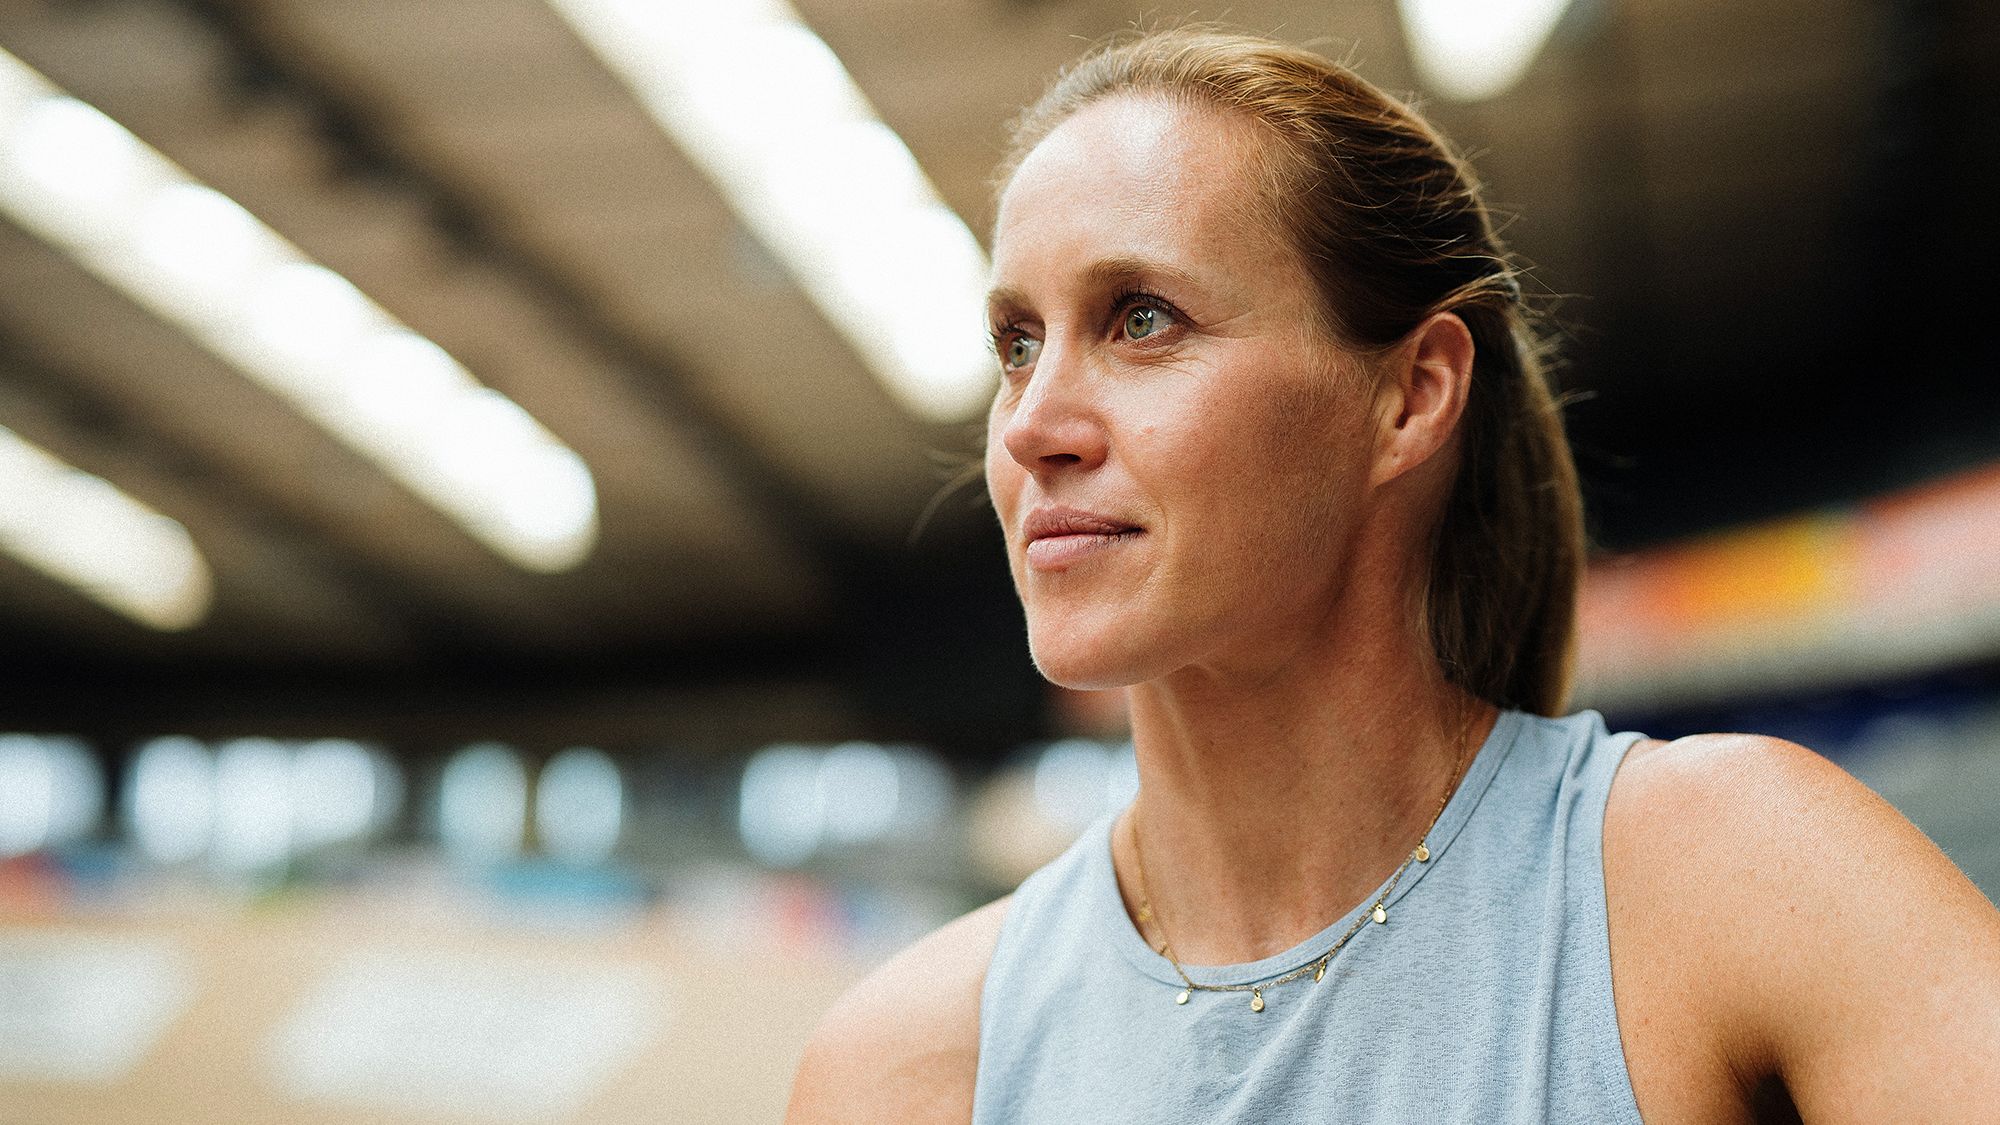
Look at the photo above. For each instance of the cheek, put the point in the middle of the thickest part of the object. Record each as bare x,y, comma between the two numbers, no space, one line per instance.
1267,476
1314,433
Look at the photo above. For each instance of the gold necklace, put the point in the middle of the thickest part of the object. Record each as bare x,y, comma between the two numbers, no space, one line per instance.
1379,914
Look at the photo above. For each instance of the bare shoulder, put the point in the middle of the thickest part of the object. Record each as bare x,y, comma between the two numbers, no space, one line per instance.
903,1044
1772,918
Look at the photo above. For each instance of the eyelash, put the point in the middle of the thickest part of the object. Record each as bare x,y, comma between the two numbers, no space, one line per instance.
1000,336
1140,296
1120,305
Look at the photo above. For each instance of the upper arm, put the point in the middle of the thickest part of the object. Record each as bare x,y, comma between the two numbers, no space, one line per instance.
1813,931
903,1045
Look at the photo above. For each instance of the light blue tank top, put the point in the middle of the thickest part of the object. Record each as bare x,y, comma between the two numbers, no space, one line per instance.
1486,997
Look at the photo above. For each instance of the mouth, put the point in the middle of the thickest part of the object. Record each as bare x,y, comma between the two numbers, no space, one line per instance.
1060,538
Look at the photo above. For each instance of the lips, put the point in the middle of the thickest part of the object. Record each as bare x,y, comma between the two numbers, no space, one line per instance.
1046,522
1058,538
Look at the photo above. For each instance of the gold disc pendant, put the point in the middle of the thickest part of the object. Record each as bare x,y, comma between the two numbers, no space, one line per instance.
1423,854
1380,915
1319,974
1256,999
1182,998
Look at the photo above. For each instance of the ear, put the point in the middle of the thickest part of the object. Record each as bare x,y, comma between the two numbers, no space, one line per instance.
1422,396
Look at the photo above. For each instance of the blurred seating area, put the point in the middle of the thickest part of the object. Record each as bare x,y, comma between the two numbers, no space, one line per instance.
303,931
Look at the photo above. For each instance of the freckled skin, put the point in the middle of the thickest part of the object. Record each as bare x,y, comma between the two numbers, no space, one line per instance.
1224,435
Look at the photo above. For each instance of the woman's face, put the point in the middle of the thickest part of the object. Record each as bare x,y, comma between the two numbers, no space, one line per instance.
1174,454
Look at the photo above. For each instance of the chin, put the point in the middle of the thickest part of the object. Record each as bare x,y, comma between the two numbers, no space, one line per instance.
1081,677
1086,656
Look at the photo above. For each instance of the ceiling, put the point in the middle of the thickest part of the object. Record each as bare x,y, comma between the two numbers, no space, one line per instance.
1764,221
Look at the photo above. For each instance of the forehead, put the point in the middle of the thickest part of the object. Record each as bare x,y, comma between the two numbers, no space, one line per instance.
1135,176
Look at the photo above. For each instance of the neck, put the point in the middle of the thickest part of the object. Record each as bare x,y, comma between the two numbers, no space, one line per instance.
1274,799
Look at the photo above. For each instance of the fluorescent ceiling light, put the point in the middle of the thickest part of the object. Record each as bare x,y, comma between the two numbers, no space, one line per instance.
483,805
168,803
764,107
1471,50
83,532
51,792
204,264
580,807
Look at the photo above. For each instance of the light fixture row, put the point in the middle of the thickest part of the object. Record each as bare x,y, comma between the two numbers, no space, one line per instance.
203,263
766,110
1473,50
84,532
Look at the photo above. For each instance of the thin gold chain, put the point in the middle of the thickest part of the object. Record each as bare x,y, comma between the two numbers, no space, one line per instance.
1379,912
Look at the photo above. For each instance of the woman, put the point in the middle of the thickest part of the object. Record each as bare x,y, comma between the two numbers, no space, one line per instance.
1272,452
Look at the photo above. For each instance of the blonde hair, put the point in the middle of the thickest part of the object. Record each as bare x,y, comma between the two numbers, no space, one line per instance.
1389,222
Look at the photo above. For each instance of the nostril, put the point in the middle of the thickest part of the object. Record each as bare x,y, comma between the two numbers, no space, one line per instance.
1061,459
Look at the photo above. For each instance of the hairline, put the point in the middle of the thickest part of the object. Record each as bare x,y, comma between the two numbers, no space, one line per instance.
1274,173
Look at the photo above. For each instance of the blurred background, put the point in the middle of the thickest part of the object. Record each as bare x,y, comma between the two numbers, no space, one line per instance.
494,622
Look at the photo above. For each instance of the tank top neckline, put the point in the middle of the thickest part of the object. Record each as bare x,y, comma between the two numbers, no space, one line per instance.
1115,926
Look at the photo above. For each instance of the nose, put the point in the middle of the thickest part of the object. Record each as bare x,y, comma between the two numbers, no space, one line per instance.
1055,425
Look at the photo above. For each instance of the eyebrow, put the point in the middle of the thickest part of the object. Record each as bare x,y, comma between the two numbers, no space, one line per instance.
1100,274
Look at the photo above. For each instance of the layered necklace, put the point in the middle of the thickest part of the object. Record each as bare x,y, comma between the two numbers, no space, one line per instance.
1316,968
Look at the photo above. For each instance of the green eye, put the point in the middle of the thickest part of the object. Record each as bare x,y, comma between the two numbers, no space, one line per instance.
1019,352
1143,321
